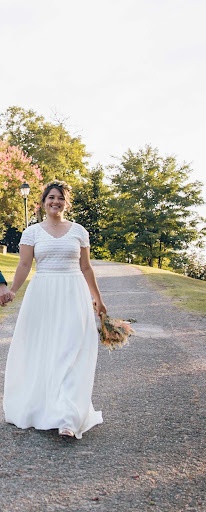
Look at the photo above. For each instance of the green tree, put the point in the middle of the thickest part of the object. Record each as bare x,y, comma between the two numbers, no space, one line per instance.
91,209
152,206
57,154
196,267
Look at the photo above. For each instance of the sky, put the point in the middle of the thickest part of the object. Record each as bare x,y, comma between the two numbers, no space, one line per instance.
125,73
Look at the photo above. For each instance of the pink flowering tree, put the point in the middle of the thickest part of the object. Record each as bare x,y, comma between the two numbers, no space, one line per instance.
16,168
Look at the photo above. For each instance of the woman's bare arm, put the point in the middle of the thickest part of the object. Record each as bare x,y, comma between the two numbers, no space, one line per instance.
87,270
24,267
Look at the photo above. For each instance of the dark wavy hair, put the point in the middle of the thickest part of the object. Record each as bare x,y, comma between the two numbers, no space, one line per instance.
62,186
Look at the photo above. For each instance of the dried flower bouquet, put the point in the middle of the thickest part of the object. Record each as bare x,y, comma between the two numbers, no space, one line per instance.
114,332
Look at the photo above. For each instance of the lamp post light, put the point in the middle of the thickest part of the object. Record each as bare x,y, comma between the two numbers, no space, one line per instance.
25,189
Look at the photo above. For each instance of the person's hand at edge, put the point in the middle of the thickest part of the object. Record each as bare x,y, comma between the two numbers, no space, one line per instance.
5,295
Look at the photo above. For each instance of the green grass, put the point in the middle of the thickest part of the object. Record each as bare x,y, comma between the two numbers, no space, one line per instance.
8,264
187,293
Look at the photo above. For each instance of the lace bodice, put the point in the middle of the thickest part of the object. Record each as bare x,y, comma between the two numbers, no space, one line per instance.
56,254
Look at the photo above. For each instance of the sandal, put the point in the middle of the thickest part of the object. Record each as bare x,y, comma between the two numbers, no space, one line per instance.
65,431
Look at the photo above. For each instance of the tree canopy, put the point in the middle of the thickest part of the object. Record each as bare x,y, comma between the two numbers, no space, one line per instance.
91,208
146,213
15,168
52,148
152,206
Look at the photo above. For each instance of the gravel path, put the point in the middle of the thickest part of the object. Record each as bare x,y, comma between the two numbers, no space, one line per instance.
149,454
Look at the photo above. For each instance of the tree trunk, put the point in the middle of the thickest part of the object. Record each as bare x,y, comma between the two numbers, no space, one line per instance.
39,215
160,259
150,261
150,258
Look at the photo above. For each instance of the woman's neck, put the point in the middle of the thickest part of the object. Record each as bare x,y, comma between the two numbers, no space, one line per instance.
55,220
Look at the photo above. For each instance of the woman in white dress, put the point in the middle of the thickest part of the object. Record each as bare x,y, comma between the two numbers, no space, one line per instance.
52,358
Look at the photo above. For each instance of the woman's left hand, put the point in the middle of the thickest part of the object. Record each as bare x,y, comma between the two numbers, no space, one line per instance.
100,307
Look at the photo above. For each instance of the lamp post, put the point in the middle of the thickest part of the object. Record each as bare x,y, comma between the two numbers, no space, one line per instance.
25,189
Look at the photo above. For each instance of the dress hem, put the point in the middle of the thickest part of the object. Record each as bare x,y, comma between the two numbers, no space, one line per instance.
96,421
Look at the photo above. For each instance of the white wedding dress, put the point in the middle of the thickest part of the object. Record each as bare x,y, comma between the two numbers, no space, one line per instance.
52,358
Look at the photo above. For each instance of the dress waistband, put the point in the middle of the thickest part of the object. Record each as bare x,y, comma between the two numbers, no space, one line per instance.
51,273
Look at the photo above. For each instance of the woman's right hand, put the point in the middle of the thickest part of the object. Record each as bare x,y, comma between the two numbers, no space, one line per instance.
12,295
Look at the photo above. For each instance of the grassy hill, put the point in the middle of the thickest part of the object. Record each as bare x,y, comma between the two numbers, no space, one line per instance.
8,264
188,293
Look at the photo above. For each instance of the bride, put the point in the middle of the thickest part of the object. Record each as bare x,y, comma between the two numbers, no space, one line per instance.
52,358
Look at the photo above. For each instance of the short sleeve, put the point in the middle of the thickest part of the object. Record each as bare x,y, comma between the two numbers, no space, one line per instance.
2,280
27,237
84,238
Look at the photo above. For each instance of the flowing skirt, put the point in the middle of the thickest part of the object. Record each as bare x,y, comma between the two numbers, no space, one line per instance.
52,358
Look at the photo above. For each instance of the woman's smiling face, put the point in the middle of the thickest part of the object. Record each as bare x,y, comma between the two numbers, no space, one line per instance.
54,202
